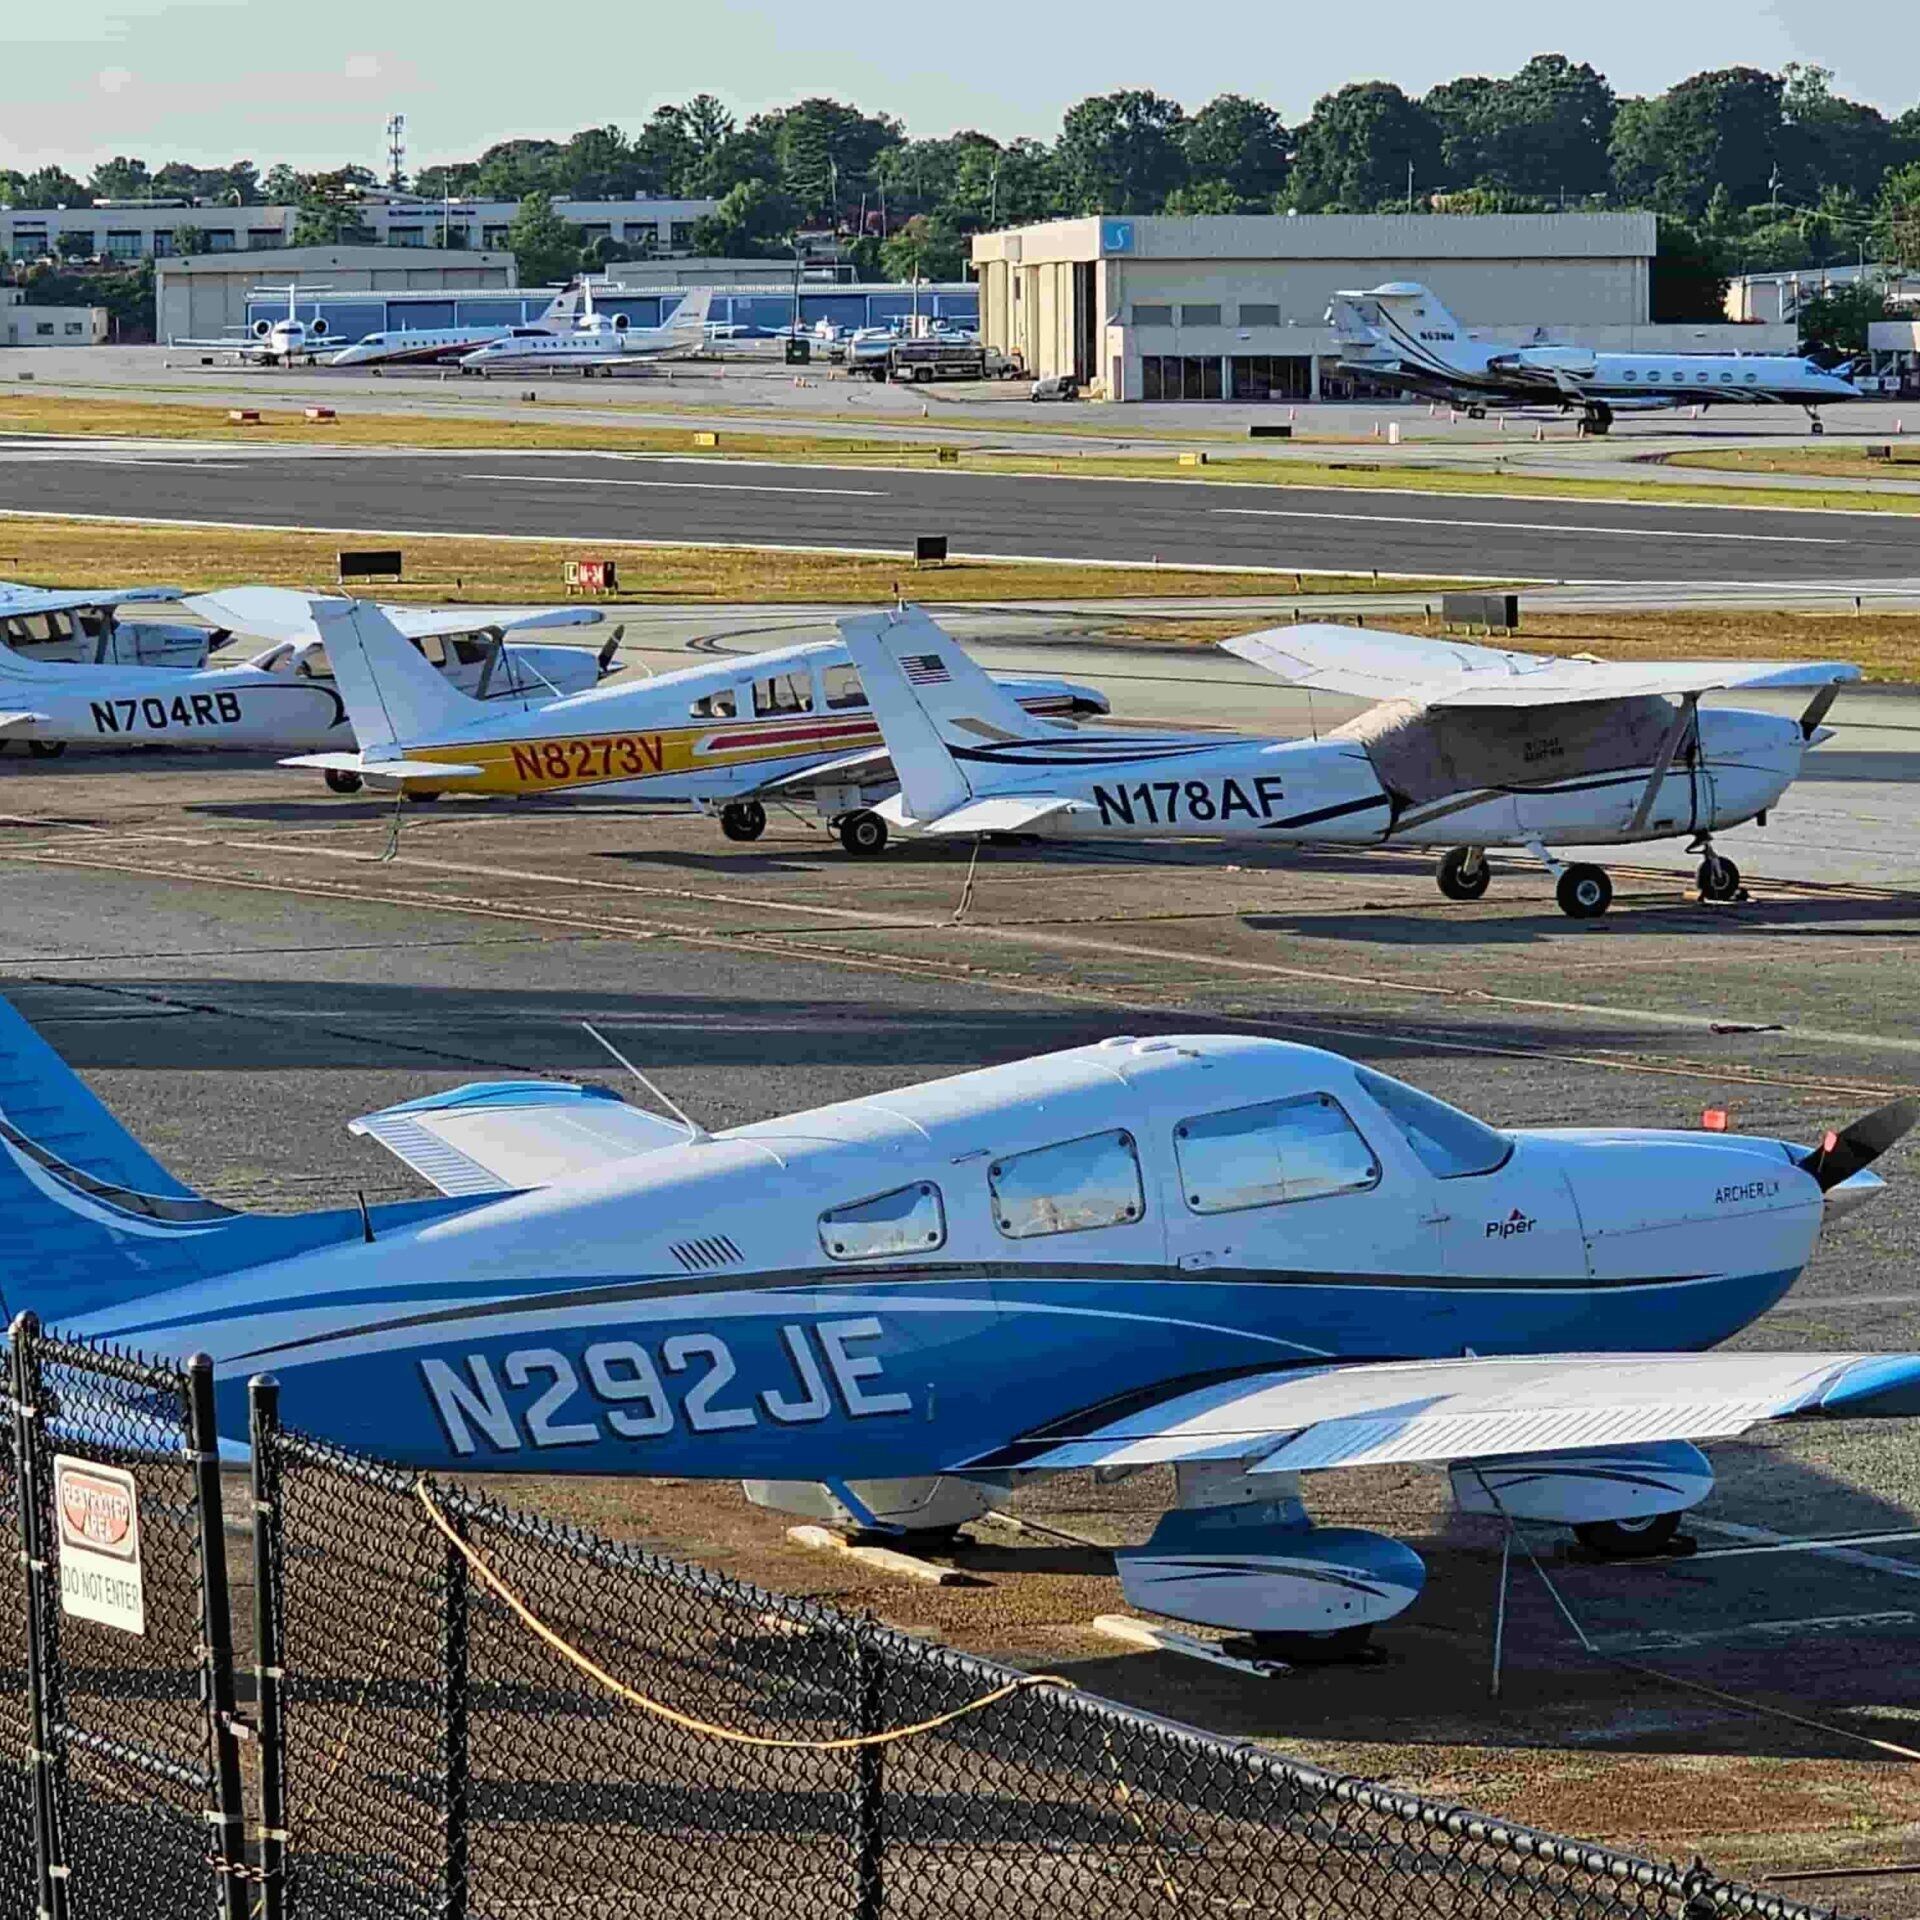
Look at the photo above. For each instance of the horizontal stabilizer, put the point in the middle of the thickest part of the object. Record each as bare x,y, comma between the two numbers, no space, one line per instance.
1001,813
1402,1412
14,721
394,772
504,1136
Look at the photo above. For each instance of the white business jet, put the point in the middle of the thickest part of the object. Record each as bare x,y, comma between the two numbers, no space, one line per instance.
427,346
276,343
1466,748
597,342
283,698
1247,1260
1401,335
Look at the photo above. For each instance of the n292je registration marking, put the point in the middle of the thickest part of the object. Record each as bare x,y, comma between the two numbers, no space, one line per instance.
623,1389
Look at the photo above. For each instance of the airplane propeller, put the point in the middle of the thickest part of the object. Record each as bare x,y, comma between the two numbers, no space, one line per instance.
607,653
1839,1156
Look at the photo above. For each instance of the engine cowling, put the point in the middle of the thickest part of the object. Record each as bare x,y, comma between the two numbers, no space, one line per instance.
1265,1568
1577,1488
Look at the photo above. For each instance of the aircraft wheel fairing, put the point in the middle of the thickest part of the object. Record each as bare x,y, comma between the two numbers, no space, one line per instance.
1464,873
863,834
1598,1486
46,749
743,820
344,780
1584,892
1718,878
1629,1539
423,796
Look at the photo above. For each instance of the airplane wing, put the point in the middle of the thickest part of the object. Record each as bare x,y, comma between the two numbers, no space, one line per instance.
16,599
1369,1414
1001,813
504,1136
1448,673
397,772
864,769
282,613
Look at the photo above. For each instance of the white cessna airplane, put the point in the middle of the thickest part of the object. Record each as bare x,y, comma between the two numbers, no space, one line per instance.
1402,335
1467,748
276,343
598,342
284,697
83,624
1248,1260
426,346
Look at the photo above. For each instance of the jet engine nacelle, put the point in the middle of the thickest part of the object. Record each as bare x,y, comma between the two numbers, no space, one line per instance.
1577,1489
1265,1568
932,1504
317,327
261,328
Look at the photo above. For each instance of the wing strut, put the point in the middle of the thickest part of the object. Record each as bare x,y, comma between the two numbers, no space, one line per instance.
1668,748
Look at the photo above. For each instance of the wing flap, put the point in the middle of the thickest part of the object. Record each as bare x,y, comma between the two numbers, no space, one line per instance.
1373,1413
508,1136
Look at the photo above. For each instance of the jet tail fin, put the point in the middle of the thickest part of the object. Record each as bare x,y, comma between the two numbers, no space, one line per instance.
1403,318
394,697
691,314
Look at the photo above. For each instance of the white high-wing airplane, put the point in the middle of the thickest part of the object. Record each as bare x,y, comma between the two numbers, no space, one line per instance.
424,346
712,735
1468,748
598,342
284,696
56,623
276,342
1402,335
1246,1259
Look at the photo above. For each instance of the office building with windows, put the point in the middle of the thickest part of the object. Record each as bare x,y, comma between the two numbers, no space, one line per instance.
1233,307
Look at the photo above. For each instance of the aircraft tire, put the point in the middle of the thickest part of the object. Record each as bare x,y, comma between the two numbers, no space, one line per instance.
343,780
46,749
863,834
1719,878
1459,878
423,796
1629,1539
1584,892
1311,1649
743,820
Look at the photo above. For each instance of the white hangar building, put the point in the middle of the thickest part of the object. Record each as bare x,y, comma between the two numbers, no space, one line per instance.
1233,307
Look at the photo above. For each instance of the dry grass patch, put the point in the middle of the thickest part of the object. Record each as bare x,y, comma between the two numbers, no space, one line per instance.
58,552
1840,463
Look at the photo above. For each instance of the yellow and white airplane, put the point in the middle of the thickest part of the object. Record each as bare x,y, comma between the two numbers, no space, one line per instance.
713,735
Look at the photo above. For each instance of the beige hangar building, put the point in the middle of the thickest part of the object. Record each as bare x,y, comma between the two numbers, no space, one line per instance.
1233,307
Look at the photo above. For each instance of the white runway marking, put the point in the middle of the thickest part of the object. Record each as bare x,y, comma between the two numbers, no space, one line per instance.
1531,526
1660,1641
1851,1556
679,486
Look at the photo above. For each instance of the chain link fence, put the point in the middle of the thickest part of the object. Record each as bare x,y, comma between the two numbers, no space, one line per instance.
460,1710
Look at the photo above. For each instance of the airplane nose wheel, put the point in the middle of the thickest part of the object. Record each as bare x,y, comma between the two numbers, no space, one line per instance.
343,780
1718,878
1629,1539
1584,892
1464,873
743,820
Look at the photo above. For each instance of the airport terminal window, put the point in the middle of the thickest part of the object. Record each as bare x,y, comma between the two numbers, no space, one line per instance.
718,705
1298,1149
1450,1144
842,688
1271,376
907,1220
1207,314
1260,315
784,693
1178,376
1080,1184
1152,316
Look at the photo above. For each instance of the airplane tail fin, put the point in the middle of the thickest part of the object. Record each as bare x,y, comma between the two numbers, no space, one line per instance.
938,712
690,316
1408,320
393,696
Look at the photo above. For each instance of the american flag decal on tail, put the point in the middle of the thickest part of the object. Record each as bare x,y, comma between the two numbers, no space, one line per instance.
924,669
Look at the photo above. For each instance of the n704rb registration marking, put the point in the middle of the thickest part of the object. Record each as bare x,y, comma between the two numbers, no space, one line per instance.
599,758
1170,803
160,713
624,1394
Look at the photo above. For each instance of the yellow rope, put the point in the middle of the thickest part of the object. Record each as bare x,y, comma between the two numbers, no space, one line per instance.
535,1625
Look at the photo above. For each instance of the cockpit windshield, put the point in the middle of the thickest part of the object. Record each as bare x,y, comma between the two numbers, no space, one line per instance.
1450,1144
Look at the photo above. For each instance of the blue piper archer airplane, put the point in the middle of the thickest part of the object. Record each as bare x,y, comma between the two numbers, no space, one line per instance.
1247,1259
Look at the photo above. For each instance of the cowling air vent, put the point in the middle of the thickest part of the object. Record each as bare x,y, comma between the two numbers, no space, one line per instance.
702,1256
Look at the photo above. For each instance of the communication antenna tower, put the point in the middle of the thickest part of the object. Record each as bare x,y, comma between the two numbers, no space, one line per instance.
397,151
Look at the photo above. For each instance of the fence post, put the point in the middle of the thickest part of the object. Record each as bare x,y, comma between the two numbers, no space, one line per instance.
226,1819
454,1680
263,1399
23,1362
869,1833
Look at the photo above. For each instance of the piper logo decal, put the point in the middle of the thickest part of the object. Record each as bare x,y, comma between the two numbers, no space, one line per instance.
1515,1222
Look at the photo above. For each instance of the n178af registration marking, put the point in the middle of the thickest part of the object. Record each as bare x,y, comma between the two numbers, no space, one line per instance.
1166,803
599,758
624,1393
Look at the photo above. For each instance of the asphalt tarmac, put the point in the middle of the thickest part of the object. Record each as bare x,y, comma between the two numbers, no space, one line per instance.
873,507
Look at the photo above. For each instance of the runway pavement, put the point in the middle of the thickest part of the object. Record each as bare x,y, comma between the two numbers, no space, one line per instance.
872,507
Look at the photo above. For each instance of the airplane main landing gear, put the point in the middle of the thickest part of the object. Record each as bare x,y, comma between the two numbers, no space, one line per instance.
1637,1539
1584,892
1464,873
343,780
1815,424
743,819
46,749
863,834
1597,420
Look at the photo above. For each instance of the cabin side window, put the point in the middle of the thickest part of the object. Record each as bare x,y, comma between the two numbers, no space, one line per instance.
784,693
1451,1145
1263,1156
1069,1188
842,689
906,1220
718,705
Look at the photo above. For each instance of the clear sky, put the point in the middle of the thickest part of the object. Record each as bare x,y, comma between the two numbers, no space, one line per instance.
209,81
